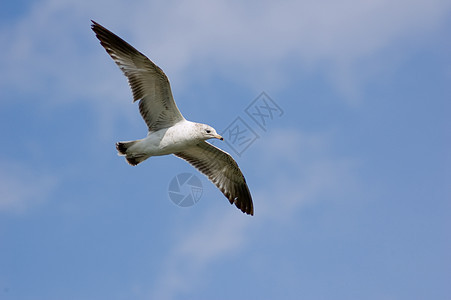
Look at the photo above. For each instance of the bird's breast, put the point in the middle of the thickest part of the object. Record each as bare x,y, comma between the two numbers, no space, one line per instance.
172,140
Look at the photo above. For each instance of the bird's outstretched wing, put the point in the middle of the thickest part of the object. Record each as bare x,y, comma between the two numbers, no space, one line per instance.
148,82
223,171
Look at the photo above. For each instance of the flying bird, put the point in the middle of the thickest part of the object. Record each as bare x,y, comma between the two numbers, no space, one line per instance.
168,131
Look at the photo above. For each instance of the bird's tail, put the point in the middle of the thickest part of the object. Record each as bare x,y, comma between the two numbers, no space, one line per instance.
132,158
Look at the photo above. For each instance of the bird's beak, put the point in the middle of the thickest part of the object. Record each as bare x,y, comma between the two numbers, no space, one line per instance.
219,137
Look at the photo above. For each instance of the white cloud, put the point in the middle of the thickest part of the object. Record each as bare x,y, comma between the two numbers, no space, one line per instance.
213,238
302,172
22,189
252,43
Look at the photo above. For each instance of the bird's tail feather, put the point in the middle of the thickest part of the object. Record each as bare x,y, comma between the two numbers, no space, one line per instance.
132,158
136,159
122,147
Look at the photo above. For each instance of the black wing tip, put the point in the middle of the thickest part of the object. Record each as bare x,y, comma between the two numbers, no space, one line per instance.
104,35
95,25
98,29
249,210
101,32
244,202
247,204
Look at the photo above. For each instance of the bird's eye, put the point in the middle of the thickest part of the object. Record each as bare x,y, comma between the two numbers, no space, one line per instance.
208,131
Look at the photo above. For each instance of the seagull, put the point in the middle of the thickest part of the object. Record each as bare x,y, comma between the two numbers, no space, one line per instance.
168,131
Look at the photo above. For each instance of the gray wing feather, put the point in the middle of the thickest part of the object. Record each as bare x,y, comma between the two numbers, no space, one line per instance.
223,171
147,81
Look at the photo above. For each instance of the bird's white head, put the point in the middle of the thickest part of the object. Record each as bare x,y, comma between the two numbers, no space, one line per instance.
208,132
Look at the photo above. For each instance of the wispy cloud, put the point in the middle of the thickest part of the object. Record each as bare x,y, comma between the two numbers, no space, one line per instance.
211,239
302,172
53,42
22,189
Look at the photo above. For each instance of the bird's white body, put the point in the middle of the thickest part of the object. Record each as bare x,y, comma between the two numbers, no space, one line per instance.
168,140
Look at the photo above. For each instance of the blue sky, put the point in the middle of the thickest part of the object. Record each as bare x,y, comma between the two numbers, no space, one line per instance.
349,184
